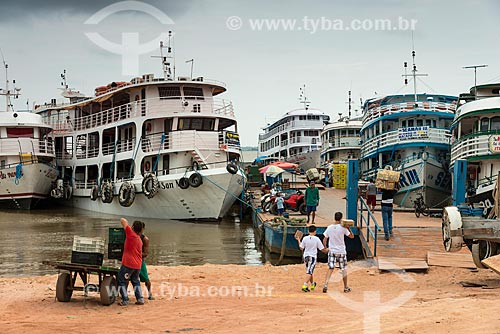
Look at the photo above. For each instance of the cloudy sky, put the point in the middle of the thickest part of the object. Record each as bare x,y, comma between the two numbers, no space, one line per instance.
332,47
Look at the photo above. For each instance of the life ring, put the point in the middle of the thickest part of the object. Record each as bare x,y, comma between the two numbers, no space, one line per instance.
232,168
195,180
68,192
126,196
94,193
150,185
107,192
147,166
183,183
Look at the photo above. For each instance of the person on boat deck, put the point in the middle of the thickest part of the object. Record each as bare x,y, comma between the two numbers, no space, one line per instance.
310,245
280,204
312,200
131,262
371,195
143,274
386,207
334,238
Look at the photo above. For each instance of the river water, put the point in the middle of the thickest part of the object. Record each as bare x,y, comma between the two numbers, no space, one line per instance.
28,238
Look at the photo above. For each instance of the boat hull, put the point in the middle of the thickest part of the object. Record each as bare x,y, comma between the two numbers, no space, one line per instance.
210,201
306,160
28,191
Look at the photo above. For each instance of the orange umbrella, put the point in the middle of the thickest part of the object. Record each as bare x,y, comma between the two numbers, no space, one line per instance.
285,165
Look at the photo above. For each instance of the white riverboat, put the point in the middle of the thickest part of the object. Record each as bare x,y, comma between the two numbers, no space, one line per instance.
27,157
411,134
295,137
153,147
340,141
476,138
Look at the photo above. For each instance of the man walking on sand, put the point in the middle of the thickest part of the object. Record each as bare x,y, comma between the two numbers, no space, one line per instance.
143,274
334,236
310,245
312,200
131,262
386,207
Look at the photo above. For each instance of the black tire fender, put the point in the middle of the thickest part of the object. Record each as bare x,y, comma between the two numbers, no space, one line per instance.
94,193
150,185
195,180
183,183
126,196
232,168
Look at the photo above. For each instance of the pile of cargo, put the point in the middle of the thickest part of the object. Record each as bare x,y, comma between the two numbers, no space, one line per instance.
387,179
339,176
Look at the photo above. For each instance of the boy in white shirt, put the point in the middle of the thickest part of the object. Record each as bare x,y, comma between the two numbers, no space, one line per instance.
334,235
310,245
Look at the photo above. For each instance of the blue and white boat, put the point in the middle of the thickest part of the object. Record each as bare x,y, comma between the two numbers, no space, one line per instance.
411,133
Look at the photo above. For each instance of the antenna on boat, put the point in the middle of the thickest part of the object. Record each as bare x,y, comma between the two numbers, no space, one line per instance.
350,105
413,74
167,59
64,84
6,91
475,67
303,98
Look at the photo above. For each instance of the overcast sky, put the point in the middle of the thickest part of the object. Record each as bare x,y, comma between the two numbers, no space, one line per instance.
263,69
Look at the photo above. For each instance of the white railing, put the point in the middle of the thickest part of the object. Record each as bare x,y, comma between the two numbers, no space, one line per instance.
181,141
441,136
470,147
121,146
142,108
84,185
343,142
305,124
376,112
35,146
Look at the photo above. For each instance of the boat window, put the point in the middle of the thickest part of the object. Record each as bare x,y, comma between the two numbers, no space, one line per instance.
193,93
277,141
68,147
169,92
420,122
410,123
81,146
205,124
19,132
196,124
485,124
428,122
351,133
403,123
208,124
495,123
434,123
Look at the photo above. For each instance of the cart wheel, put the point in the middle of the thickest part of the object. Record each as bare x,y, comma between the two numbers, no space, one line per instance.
63,288
481,250
108,290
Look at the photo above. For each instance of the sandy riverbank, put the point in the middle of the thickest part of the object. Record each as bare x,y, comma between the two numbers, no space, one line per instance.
432,302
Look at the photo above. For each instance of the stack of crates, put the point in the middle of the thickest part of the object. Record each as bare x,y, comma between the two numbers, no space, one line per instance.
88,251
339,177
116,242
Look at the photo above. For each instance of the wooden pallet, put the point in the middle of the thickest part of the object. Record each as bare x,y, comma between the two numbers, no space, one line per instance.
399,263
457,260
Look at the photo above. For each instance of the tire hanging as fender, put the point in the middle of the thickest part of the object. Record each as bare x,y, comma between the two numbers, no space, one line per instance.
195,180
232,168
183,183
126,196
107,192
94,192
150,185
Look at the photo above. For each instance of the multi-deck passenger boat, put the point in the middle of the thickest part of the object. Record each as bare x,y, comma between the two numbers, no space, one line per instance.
340,141
27,157
411,134
295,137
153,147
476,138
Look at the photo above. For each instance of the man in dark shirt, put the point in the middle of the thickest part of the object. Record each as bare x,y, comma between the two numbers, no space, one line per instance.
131,262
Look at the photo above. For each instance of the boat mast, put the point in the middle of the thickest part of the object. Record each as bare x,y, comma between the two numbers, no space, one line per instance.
414,75
6,91
303,98
168,59
475,67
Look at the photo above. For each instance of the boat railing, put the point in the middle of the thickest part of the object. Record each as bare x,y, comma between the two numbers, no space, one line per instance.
433,135
121,146
396,163
143,108
367,218
394,108
34,146
84,184
305,124
471,147
187,140
343,142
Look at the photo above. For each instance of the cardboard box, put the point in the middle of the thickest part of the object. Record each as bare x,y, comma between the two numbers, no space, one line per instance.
388,175
347,222
381,184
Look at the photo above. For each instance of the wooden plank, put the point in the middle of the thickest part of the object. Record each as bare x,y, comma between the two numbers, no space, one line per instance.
493,263
456,260
398,263
472,231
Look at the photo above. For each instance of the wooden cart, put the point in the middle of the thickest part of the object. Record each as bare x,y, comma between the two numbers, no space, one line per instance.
66,282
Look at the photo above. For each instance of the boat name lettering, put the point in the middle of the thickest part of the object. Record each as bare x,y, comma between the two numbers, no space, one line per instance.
413,132
9,175
494,144
166,185
408,178
443,180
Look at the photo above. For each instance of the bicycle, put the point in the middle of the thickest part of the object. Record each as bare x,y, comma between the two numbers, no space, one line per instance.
420,206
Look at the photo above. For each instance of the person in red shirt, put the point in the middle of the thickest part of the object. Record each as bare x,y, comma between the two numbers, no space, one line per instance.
131,262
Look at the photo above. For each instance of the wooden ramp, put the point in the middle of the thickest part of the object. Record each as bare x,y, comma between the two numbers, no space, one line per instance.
411,242
457,260
493,263
399,263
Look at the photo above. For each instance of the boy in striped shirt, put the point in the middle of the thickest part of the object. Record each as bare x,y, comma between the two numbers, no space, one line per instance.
310,245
